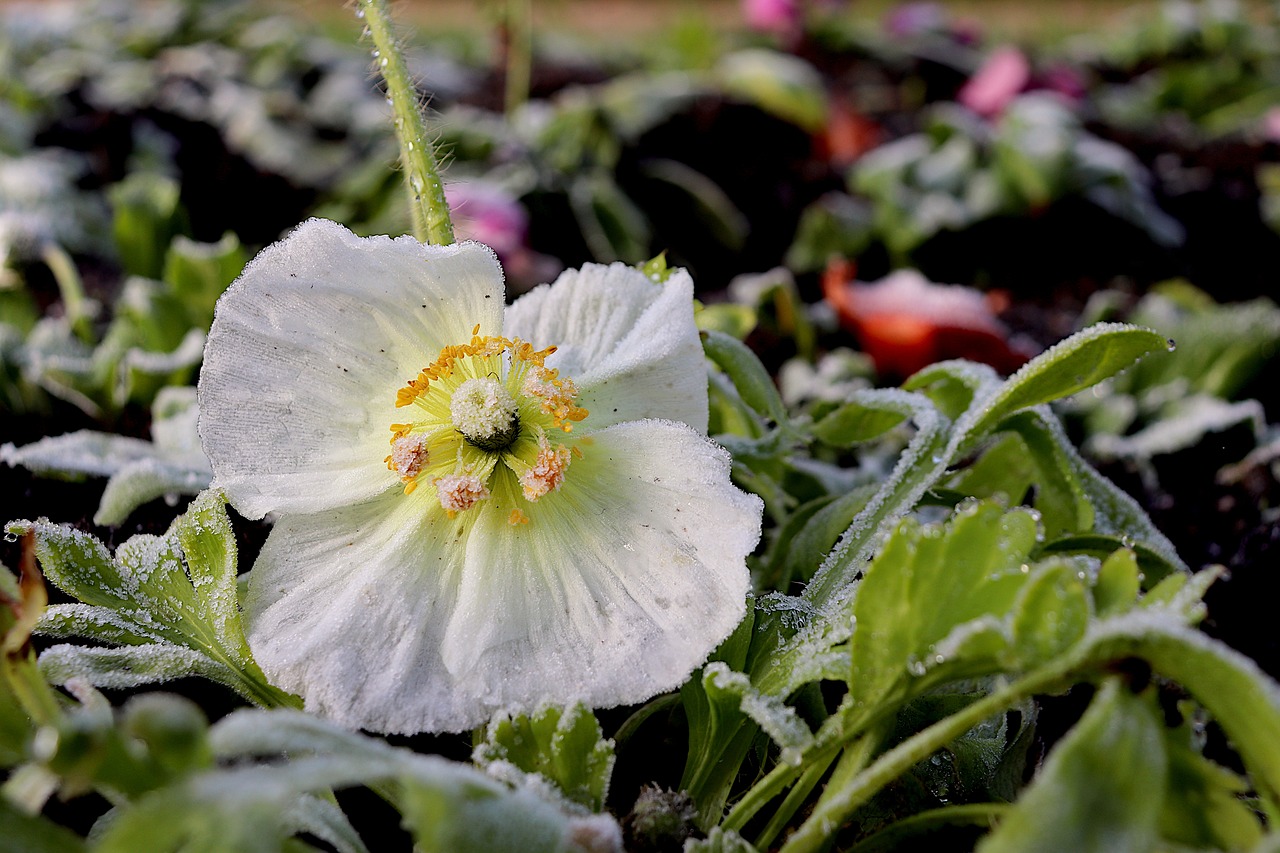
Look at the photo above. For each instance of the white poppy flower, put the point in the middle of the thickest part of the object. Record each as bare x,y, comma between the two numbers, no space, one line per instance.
479,509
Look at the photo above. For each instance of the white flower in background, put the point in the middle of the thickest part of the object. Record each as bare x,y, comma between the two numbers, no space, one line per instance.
479,509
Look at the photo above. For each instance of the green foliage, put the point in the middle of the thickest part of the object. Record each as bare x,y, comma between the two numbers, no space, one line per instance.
1206,68
564,745
138,471
165,605
1171,401
960,171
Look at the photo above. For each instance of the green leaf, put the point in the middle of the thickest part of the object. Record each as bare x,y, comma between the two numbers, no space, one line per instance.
1118,583
171,598
918,468
156,740
724,687
1006,468
1082,360
566,746
656,269
263,800
926,582
1112,511
148,214
778,83
200,272
720,733
1052,612
748,375
868,416
1101,789
820,532
730,318
1204,805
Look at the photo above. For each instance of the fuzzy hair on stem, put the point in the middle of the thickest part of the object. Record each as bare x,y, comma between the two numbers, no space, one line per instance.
427,204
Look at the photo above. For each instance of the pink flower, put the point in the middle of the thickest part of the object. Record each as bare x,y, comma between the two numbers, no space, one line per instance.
1271,125
772,16
997,82
489,214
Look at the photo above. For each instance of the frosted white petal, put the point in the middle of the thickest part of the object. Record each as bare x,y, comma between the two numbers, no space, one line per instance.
621,584
308,348
348,609
630,345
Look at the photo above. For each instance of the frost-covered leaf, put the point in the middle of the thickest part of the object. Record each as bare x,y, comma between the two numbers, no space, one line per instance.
1101,789
776,719
138,471
448,806
1181,424
719,841
777,82
1080,361
566,746
918,468
170,600
1112,511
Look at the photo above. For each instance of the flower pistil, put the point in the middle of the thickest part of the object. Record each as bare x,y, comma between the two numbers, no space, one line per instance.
489,401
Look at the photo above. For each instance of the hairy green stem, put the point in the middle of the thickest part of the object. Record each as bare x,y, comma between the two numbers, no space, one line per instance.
427,204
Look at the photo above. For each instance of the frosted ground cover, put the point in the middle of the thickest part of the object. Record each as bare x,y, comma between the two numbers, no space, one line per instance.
706,548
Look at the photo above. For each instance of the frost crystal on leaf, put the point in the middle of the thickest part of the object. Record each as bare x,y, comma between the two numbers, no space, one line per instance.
479,509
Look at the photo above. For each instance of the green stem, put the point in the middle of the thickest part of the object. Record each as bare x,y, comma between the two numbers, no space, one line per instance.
795,798
837,805
899,836
427,204
518,49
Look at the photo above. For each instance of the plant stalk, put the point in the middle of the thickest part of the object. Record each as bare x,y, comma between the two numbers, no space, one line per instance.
427,203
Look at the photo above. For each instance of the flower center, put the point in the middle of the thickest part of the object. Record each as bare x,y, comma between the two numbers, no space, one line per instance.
485,413
489,422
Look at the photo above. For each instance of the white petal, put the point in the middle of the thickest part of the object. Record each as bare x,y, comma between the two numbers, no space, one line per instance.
348,608
629,344
308,348
620,585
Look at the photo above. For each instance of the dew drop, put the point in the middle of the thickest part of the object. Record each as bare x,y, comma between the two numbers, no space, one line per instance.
376,53
1171,344
383,63
360,13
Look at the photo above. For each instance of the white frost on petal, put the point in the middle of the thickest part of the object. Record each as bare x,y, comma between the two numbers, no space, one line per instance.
347,609
616,589
308,348
629,344
613,592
